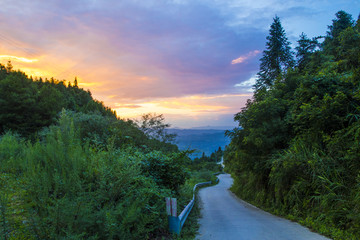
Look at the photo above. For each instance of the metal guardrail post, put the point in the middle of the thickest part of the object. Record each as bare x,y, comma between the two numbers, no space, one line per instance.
176,223
171,210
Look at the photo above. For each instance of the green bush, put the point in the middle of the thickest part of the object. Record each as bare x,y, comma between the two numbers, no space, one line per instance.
76,192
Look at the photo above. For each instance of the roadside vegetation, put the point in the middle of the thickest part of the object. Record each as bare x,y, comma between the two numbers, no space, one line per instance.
71,169
296,150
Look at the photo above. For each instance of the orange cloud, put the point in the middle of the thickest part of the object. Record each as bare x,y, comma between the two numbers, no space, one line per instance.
88,84
186,106
119,106
129,84
243,58
20,59
36,72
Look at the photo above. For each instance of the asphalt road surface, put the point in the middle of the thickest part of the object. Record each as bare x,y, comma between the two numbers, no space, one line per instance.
224,216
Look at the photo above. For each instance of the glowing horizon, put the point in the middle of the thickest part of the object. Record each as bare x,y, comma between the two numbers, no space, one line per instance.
193,61
21,59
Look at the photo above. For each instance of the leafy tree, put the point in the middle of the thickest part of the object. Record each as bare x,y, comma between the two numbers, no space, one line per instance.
50,101
276,58
348,51
18,104
154,127
167,171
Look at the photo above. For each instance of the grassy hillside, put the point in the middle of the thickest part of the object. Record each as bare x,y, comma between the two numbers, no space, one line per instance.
71,169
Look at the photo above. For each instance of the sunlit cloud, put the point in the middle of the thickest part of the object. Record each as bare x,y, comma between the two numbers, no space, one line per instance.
204,97
89,84
35,72
20,59
171,57
131,106
189,111
242,59
188,107
247,85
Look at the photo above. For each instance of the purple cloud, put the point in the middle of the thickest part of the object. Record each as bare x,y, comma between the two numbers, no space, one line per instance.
131,52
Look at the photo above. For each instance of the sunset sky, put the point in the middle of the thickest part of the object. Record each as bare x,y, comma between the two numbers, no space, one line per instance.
192,60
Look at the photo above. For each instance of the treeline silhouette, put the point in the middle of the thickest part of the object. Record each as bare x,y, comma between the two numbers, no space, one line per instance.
30,105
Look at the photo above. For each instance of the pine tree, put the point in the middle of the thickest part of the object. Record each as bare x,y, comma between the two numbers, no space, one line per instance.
276,58
304,50
9,66
343,21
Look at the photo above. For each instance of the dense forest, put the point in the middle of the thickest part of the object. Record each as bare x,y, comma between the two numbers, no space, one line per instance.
296,151
71,169
208,161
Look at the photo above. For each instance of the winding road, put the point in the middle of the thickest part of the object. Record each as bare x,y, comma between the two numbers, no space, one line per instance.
224,216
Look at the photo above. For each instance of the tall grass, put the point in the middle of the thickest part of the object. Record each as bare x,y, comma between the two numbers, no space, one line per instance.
309,184
70,191
3,217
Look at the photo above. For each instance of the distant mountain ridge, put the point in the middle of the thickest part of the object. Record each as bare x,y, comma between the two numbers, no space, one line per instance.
200,139
213,128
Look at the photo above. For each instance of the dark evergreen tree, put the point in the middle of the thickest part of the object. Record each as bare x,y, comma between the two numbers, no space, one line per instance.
9,66
3,72
276,58
75,82
348,51
343,21
304,50
357,25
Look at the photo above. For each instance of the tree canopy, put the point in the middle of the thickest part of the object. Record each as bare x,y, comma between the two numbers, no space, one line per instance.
296,150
